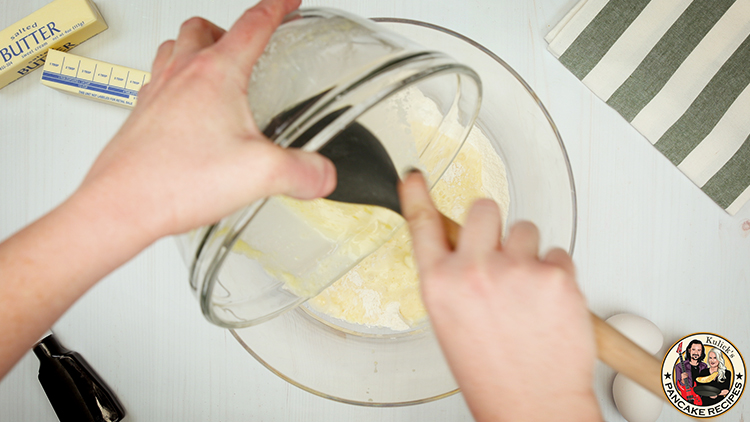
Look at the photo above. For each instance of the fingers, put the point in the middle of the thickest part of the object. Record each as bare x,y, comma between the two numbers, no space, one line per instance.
163,54
560,258
248,37
241,46
482,230
195,35
425,224
523,240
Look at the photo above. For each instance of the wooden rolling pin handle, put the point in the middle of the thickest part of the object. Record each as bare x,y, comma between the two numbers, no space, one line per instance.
621,354
613,348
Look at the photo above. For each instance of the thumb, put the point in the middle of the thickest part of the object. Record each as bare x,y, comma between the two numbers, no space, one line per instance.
302,174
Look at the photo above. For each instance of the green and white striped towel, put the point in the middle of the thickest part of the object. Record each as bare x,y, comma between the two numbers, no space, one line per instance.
679,72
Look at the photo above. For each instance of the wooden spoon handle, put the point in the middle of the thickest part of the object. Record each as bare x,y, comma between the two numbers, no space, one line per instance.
613,348
621,354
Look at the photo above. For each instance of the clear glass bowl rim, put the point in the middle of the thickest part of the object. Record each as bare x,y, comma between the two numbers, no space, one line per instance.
571,246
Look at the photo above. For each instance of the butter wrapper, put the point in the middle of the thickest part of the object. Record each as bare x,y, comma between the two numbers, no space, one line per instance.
60,25
93,79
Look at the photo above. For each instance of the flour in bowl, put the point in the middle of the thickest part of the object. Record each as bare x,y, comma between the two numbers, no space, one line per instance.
383,289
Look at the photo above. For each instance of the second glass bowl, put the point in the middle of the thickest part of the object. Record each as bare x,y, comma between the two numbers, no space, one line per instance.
371,366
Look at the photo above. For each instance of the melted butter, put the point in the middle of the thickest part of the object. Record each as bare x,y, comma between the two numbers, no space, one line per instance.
354,230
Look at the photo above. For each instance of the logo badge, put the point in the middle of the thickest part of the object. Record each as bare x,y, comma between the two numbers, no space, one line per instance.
703,375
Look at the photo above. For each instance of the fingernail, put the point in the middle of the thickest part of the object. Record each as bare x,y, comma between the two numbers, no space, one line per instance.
411,170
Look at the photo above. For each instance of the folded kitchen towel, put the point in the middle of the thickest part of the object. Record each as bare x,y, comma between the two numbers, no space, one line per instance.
679,72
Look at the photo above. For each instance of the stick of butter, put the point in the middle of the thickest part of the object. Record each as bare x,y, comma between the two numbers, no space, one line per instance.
62,25
92,79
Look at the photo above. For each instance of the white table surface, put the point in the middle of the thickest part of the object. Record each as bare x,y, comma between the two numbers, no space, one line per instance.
649,242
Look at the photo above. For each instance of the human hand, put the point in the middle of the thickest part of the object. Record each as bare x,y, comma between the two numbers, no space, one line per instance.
514,329
724,392
190,153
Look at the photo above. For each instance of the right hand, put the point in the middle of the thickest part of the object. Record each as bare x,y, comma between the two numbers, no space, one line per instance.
514,328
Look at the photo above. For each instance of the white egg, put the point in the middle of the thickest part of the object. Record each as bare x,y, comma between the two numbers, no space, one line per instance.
640,330
635,403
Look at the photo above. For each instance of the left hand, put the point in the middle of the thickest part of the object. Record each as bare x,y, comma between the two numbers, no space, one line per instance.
190,153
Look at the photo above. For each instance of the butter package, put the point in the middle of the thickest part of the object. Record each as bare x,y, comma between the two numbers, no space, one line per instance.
93,79
60,25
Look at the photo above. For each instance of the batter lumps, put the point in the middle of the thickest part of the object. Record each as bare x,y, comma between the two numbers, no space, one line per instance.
383,289
321,239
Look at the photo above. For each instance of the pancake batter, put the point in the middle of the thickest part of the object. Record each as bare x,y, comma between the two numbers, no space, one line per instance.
383,289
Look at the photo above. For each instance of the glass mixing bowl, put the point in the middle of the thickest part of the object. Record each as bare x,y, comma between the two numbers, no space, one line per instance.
379,367
327,75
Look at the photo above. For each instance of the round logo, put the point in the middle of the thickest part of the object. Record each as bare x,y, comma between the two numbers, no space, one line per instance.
703,375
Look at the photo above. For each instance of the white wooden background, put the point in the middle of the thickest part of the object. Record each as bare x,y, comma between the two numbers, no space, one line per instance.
649,241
